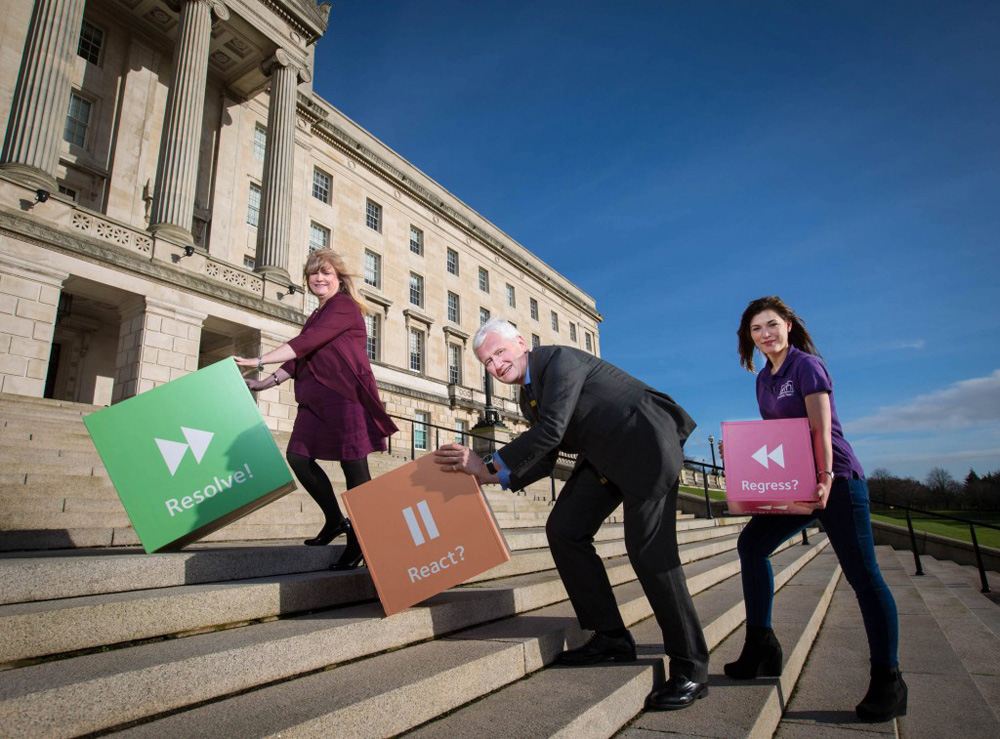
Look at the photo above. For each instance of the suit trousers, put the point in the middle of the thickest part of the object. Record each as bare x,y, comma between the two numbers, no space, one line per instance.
651,543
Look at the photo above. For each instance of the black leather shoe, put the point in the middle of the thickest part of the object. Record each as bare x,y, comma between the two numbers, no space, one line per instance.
328,533
601,648
347,562
677,692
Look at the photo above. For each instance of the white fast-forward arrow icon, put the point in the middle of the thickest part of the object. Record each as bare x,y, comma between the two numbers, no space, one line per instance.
777,456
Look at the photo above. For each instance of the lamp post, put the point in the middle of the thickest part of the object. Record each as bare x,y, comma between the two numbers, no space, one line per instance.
711,444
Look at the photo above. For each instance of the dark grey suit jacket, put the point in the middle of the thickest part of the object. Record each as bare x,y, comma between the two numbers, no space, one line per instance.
623,428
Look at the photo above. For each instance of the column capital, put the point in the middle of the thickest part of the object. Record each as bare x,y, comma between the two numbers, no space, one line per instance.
282,58
218,8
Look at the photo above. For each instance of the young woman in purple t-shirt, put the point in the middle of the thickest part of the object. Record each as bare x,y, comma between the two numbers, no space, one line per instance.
795,384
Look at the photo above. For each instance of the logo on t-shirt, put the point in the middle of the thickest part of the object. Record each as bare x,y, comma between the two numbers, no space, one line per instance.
787,390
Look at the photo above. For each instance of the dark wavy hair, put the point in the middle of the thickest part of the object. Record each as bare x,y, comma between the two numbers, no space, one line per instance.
798,337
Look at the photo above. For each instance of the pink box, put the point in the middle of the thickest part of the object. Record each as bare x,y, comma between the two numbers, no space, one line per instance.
769,465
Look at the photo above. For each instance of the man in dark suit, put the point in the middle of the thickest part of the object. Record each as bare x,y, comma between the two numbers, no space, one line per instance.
628,439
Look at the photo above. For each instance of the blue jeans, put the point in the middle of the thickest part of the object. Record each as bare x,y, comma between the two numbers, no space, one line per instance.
847,522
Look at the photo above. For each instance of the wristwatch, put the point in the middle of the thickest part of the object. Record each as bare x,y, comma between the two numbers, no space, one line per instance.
488,461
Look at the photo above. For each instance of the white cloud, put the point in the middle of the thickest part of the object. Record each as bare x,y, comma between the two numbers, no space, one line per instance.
963,405
918,344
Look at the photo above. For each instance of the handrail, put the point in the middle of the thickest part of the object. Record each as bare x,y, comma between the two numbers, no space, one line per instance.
972,530
717,470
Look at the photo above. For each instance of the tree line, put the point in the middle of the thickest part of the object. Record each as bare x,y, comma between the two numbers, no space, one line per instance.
938,490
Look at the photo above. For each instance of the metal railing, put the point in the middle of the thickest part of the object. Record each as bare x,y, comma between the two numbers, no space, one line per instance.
705,468
931,514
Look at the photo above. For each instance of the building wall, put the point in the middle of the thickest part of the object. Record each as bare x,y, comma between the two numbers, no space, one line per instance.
142,311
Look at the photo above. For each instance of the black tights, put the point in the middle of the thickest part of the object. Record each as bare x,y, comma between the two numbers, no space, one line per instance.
317,484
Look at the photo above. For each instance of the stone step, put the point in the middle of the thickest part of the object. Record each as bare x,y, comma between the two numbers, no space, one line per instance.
598,701
114,687
150,679
943,698
964,583
47,467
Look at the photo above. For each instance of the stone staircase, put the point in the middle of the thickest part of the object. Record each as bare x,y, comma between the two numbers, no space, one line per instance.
256,638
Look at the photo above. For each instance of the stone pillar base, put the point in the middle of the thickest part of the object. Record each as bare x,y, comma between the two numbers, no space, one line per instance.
488,439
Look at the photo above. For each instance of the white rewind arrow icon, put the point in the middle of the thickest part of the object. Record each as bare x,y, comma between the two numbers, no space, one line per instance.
777,456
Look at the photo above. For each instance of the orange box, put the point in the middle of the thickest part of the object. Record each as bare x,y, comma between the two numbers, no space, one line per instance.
422,531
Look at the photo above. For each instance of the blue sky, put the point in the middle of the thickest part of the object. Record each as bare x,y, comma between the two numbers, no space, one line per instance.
677,159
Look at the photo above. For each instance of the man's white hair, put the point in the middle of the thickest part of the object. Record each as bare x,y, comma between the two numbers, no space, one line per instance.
500,326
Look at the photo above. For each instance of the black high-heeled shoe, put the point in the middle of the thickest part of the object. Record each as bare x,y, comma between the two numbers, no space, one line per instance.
328,533
761,656
351,557
886,696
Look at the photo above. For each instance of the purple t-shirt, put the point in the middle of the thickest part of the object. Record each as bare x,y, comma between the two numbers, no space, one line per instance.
783,395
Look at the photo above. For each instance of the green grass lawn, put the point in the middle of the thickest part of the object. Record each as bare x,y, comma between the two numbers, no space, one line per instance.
952,529
713,494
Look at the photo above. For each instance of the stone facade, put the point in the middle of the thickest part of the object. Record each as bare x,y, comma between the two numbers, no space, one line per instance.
165,223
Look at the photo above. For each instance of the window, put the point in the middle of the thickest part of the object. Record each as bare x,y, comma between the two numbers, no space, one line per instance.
452,262
373,216
484,316
461,432
68,192
421,429
555,321
373,269
77,120
454,364
510,297
319,237
534,309
373,325
259,141
321,185
249,262
416,350
416,240
91,40
484,280
454,308
253,205
416,290
535,341
589,341
572,332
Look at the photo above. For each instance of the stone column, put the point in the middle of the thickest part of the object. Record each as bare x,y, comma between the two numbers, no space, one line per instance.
41,96
279,164
277,404
157,342
29,298
177,169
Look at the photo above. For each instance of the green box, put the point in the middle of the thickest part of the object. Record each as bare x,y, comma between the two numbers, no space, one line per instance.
190,457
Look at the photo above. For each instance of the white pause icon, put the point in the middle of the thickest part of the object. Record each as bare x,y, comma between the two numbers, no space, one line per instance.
414,526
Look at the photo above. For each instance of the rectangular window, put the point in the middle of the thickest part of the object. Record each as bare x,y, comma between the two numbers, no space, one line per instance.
373,216
319,237
68,192
421,429
452,262
572,332
461,432
484,316
249,262
454,364
259,141
322,184
91,41
535,341
373,269
416,290
77,120
555,321
511,301
534,308
253,205
416,240
454,308
416,350
590,342
373,325
484,280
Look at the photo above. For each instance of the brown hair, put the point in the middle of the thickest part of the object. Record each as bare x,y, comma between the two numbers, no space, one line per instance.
798,336
320,257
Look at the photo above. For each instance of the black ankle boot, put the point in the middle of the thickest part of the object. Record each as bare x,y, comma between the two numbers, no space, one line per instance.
328,533
886,696
351,557
761,656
